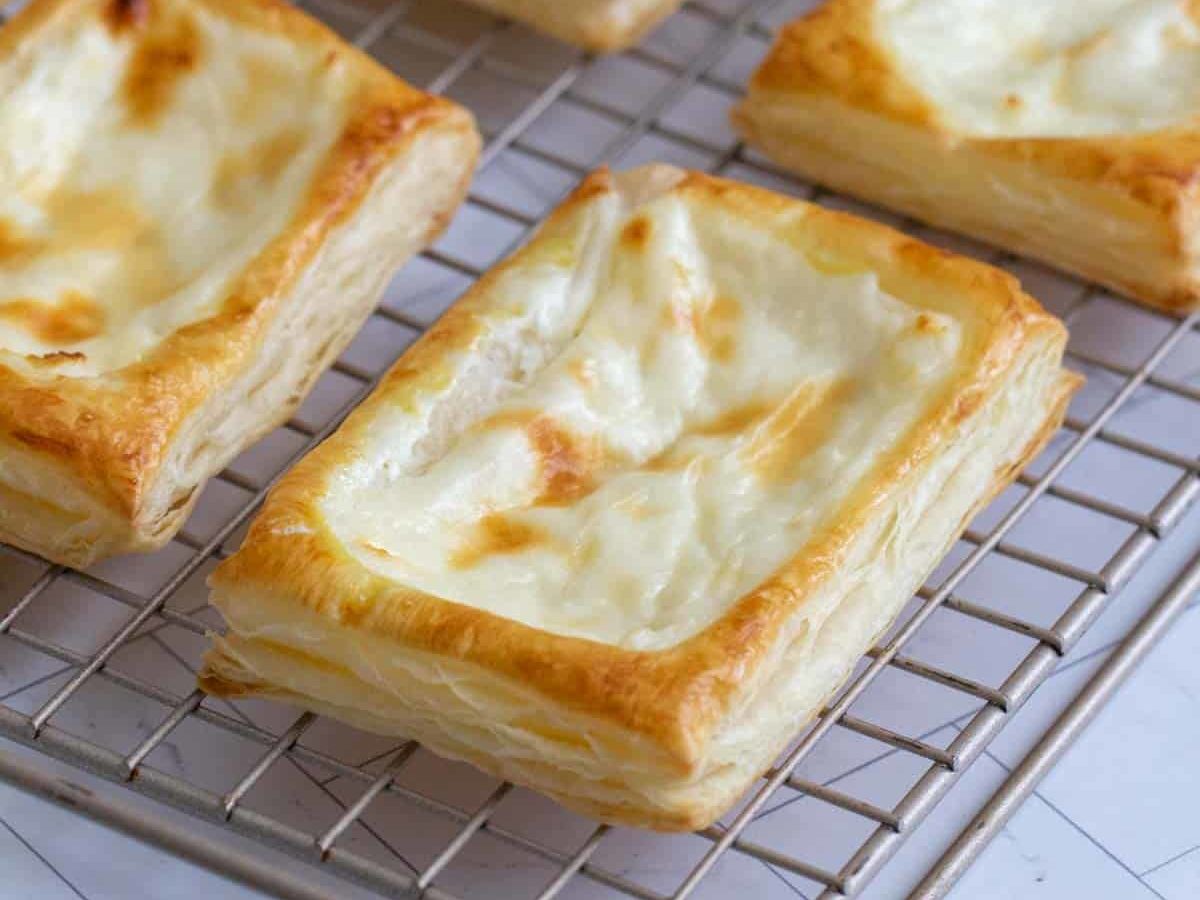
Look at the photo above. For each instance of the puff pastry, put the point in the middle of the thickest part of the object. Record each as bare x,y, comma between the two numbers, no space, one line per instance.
201,200
601,25
627,515
1064,131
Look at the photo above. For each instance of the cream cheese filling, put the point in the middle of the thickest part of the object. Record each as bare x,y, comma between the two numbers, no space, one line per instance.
1033,68
700,402
142,169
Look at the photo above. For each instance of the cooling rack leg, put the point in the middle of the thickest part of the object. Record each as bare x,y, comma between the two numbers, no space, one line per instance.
246,868
1020,784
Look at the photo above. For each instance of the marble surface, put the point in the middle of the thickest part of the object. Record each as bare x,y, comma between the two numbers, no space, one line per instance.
1115,819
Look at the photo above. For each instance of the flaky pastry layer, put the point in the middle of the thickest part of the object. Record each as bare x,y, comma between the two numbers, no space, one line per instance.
664,705
203,200
1065,134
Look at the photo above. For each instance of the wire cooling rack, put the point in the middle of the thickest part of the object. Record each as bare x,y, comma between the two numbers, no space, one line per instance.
97,667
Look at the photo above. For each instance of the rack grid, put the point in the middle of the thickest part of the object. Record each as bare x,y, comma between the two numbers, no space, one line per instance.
402,822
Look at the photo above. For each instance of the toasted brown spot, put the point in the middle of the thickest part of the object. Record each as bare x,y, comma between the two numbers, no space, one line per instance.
1012,101
42,442
927,324
104,220
496,534
166,52
966,405
75,318
636,233
668,460
796,428
56,358
717,327
15,246
264,82
92,220
567,462
239,174
713,326
121,15
274,155
595,185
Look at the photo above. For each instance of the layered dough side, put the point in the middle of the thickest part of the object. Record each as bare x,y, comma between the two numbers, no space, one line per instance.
44,511
461,711
978,188
1067,135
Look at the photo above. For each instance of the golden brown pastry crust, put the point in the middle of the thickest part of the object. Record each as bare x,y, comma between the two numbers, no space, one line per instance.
604,26
110,434
675,697
832,60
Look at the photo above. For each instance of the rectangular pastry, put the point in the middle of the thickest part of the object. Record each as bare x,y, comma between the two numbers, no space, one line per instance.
600,25
618,525
1062,131
201,201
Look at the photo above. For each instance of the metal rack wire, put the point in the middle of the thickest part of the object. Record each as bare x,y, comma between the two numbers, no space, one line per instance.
665,99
